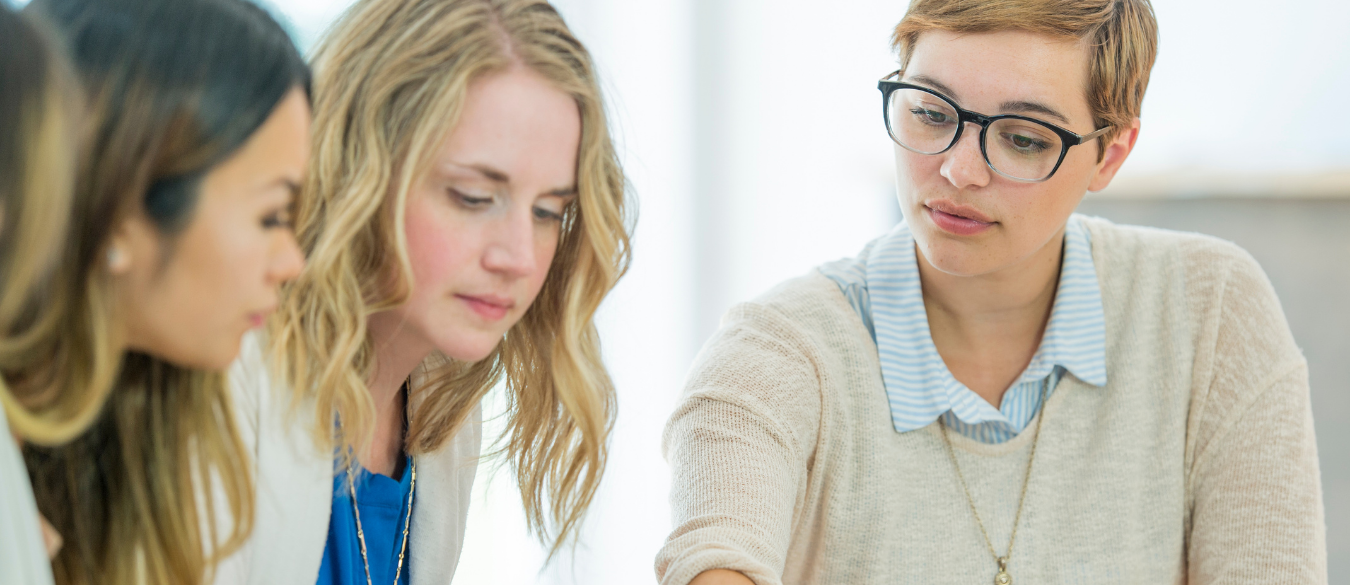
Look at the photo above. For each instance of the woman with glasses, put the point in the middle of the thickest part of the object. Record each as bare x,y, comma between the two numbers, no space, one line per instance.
999,389
463,219
198,128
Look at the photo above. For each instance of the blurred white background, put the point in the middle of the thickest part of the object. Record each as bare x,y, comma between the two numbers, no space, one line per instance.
751,132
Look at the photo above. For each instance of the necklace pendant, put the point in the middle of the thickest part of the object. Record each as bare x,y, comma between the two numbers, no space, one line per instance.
1003,578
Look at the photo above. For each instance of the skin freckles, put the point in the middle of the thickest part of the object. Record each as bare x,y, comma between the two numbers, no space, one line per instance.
190,299
988,295
985,71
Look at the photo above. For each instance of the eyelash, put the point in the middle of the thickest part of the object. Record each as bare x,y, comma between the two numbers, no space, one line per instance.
469,201
546,215
476,202
278,219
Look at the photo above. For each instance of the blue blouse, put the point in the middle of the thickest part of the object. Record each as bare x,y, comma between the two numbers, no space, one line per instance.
384,505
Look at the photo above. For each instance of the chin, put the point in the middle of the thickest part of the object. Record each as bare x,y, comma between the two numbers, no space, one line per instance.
955,258
471,347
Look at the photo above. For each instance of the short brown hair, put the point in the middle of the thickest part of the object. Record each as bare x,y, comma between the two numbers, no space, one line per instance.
1122,35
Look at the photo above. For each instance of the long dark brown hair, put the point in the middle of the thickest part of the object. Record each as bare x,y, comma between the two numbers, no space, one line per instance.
175,87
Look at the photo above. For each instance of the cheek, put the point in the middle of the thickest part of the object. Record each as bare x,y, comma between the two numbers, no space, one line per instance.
917,175
1054,200
545,249
439,249
910,170
197,306
228,271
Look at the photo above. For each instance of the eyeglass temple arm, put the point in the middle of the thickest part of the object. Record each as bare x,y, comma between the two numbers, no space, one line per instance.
1099,132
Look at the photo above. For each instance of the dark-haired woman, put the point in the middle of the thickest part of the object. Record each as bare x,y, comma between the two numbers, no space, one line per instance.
198,139
38,115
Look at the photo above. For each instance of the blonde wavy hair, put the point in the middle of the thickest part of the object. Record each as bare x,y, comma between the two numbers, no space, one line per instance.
391,81
56,356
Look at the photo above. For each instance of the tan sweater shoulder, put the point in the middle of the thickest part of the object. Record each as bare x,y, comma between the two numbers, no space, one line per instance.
766,360
1252,479
1235,325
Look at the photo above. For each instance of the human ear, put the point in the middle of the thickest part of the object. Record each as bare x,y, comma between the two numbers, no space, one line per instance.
1116,153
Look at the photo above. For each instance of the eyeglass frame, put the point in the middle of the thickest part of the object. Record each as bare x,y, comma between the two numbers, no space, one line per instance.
1068,139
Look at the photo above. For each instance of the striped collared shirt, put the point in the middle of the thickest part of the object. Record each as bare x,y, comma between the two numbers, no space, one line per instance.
882,284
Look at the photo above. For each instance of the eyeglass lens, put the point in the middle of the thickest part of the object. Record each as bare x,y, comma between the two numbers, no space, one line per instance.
926,124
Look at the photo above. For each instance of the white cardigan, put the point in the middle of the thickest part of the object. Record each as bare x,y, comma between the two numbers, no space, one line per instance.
294,481
23,556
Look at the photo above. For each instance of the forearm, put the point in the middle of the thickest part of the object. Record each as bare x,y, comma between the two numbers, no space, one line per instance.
732,497
738,447
721,577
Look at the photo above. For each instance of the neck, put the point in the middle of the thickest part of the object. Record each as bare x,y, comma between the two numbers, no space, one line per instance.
987,327
397,354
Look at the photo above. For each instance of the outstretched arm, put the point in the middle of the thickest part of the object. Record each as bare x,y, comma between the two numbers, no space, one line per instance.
739,446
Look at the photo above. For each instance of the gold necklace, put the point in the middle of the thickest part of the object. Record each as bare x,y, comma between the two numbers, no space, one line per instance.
361,535
1002,578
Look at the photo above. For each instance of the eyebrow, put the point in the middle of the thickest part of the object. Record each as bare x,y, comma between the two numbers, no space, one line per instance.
1034,108
935,84
498,176
1017,107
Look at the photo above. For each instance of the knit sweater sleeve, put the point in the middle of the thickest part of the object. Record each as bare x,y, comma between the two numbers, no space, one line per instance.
1255,490
739,445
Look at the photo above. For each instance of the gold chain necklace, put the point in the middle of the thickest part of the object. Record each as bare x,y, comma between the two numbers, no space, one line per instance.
1002,578
361,535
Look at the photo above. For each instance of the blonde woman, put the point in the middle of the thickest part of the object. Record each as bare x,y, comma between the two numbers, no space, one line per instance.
198,138
39,111
463,220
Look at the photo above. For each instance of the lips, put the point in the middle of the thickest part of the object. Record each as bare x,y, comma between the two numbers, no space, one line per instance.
489,307
956,219
961,211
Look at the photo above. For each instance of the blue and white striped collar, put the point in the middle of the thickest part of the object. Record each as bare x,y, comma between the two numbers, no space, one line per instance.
919,386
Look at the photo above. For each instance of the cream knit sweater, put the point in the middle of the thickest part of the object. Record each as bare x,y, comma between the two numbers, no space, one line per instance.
1196,463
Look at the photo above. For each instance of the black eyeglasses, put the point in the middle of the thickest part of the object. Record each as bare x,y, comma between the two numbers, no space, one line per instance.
927,122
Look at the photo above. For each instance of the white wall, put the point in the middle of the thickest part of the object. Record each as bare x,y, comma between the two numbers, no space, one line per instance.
1248,85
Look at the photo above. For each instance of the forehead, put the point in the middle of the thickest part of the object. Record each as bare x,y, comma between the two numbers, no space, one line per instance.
986,70
518,122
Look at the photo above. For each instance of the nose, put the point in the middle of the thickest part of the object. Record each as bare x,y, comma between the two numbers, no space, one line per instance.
510,250
964,164
287,260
